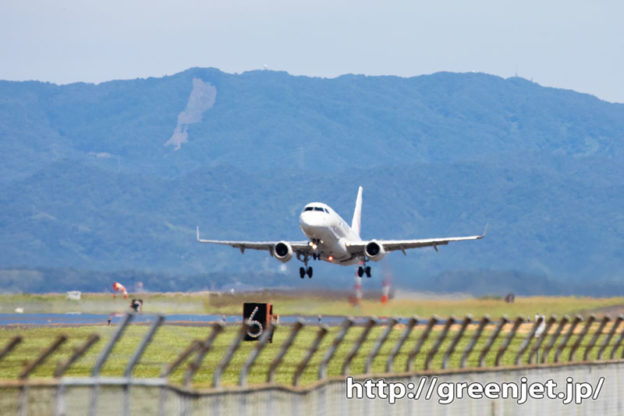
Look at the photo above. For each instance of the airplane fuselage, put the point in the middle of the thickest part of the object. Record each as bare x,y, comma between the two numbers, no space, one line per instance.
328,233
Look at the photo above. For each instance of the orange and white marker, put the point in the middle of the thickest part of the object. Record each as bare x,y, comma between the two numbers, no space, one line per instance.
118,287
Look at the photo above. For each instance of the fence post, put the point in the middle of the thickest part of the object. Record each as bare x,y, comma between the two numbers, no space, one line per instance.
592,342
616,345
491,340
62,367
455,341
565,339
30,367
608,338
229,354
203,348
409,366
434,350
135,359
541,337
378,344
358,343
285,346
507,341
10,346
579,340
527,340
346,324
251,359
553,338
141,348
95,371
313,348
397,347
484,321
168,369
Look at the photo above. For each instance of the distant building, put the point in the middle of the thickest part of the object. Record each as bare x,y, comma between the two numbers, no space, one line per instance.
74,295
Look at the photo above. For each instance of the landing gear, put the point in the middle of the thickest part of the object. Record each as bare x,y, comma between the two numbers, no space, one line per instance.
361,271
305,270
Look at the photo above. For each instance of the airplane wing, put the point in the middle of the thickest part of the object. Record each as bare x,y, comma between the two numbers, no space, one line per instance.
297,246
393,245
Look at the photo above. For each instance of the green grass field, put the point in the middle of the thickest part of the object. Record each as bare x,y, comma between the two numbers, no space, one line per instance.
170,340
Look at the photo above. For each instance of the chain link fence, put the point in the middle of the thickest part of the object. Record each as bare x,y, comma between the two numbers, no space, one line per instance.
164,369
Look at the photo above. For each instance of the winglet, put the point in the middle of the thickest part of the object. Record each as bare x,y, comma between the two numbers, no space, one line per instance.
484,231
197,232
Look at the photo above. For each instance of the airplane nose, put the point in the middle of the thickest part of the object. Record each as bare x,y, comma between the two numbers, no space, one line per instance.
311,220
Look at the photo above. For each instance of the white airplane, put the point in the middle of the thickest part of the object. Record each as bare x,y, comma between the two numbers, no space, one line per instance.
332,240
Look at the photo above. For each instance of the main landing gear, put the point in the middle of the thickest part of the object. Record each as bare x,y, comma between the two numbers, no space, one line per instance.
305,270
364,270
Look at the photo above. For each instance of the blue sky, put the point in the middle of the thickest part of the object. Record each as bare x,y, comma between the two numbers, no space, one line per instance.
571,44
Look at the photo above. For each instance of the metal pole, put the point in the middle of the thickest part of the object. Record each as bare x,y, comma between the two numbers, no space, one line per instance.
95,371
253,355
507,341
358,343
421,341
525,344
313,348
473,341
141,348
397,347
553,338
608,338
62,367
617,345
30,367
135,359
216,376
592,342
540,338
10,346
202,349
579,340
346,324
458,336
380,341
491,340
565,339
434,350
285,346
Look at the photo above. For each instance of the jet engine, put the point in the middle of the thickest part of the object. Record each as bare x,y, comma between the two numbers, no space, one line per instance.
374,251
283,251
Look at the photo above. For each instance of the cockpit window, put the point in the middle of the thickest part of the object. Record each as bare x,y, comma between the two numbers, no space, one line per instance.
308,208
318,209
326,210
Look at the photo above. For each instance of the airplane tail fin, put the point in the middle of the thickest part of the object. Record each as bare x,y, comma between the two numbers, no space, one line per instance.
356,223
